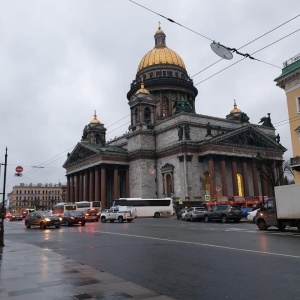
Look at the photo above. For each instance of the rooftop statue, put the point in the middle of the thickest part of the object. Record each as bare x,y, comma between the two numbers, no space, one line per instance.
183,106
266,121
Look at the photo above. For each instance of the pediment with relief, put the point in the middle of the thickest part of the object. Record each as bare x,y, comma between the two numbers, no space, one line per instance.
247,137
79,154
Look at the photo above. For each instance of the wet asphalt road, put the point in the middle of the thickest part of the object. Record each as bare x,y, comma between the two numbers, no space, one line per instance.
181,259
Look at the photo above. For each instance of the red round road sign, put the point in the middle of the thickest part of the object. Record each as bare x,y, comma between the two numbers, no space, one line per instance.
19,169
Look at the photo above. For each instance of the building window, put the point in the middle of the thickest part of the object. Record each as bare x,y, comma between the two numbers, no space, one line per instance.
170,73
164,73
151,74
298,105
165,106
240,184
147,115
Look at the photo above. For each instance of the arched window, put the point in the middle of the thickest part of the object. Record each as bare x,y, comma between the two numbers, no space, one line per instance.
240,184
136,116
165,107
147,115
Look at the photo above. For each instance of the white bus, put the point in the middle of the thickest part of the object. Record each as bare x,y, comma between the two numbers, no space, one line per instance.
83,205
148,207
60,208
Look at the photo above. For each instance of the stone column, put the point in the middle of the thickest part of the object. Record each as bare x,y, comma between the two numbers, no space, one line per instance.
103,186
77,187
116,183
264,181
97,184
280,173
86,186
211,169
245,178
91,186
81,185
127,183
68,189
224,179
234,178
72,188
255,178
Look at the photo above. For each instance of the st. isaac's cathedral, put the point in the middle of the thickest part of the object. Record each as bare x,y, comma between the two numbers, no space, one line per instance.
170,150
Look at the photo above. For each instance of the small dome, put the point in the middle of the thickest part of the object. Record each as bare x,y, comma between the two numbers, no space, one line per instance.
95,120
235,109
142,90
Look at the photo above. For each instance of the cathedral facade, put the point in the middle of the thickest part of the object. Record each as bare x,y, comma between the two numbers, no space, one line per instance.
170,150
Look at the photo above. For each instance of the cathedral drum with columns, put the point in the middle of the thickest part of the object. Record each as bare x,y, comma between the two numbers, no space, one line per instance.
172,151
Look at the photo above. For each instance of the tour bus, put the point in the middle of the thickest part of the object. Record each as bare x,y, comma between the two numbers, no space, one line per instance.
83,205
60,208
148,207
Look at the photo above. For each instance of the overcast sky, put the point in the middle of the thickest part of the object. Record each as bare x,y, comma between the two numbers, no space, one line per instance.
62,59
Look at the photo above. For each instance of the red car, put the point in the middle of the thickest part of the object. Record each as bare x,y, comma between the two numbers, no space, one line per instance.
15,217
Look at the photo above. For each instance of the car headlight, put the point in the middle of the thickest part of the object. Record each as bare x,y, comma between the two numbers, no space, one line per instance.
47,220
60,219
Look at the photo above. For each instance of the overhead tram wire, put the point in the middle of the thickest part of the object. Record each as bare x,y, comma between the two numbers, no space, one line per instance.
172,21
245,57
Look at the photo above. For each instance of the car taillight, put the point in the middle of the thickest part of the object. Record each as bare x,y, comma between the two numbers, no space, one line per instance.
72,218
229,210
87,214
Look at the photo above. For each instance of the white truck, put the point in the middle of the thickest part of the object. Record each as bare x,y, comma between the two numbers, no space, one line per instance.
118,213
281,211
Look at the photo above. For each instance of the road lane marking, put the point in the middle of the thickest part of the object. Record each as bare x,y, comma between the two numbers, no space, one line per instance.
200,244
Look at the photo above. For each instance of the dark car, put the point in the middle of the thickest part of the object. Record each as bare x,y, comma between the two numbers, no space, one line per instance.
43,219
72,217
180,212
92,214
224,213
15,217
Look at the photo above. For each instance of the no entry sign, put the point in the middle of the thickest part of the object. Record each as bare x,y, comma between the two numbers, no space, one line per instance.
19,169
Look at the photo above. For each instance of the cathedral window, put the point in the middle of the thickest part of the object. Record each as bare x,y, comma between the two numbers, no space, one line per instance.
158,74
144,77
147,115
169,185
165,107
151,74
136,116
164,73
176,74
170,74
240,184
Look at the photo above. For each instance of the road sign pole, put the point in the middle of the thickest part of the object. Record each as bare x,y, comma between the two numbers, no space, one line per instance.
3,198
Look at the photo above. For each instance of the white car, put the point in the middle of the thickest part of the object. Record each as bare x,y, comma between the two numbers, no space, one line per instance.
183,215
251,215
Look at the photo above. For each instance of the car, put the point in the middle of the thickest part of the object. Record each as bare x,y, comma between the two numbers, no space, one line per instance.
180,212
183,215
195,213
72,217
252,214
118,213
16,217
43,219
224,213
92,214
7,215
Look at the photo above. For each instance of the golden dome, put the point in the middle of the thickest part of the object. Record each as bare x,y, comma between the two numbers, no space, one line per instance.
161,54
142,90
95,120
235,109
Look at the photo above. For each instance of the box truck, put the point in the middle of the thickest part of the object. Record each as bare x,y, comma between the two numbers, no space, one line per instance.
281,211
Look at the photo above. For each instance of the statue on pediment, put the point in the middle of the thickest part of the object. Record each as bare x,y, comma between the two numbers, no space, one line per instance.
266,121
183,106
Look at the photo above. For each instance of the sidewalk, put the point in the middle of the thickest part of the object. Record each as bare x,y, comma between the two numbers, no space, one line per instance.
28,272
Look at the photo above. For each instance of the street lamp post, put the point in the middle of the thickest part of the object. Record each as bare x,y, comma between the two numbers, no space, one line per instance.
3,198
